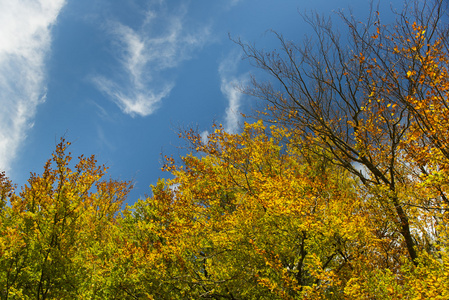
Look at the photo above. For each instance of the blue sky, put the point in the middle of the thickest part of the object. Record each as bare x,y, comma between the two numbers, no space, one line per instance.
119,78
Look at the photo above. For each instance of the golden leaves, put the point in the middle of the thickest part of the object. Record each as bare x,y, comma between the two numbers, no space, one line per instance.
58,219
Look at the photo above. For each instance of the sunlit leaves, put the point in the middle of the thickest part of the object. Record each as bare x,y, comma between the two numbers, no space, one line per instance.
254,212
53,229
345,197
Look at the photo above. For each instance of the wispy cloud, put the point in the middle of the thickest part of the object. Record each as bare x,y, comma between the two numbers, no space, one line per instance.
25,41
103,141
144,55
229,83
234,2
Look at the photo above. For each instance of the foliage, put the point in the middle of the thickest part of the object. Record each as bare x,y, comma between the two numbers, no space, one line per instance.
344,196
53,231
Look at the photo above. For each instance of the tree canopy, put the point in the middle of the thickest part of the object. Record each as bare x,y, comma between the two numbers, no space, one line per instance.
337,190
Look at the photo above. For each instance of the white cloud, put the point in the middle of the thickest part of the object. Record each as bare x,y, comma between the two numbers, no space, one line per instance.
144,54
204,136
25,41
229,84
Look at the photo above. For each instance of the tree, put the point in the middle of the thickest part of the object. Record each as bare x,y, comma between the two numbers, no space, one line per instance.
251,216
377,105
345,197
54,231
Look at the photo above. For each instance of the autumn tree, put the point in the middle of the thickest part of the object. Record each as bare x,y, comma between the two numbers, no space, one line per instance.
54,231
249,216
377,105
344,198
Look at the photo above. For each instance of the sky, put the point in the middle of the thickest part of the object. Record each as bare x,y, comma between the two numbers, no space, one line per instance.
120,78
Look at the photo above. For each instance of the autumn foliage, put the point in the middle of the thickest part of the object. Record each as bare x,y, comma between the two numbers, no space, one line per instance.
338,189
